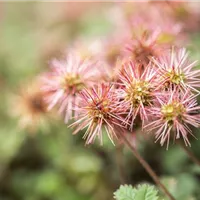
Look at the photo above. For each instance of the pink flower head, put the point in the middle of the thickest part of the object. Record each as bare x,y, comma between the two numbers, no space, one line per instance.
143,47
185,12
66,79
99,109
137,91
171,114
175,69
157,18
150,33
31,108
112,46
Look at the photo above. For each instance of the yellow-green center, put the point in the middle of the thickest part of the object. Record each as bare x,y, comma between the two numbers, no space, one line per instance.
99,110
172,111
72,82
138,92
175,78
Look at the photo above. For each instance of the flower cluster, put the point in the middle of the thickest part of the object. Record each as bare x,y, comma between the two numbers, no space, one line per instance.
140,76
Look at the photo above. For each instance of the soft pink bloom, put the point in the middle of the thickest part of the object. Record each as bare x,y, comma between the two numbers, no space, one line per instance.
145,42
185,12
31,108
99,110
175,69
137,90
171,114
66,79
112,48
141,48
157,18
106,48
150,32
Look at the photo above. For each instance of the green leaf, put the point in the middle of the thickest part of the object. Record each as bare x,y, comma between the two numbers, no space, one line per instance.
145,192
141,192
125,192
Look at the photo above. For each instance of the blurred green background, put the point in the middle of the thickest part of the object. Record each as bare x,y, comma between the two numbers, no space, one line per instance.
52,164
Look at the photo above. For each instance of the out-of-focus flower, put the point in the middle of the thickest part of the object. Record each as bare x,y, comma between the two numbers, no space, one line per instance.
142,48
114,44
30,107
112,51
171,115
185,12
137,91
150,33
88,48
99,109
175,69
66,79
107,49
157,18
146,43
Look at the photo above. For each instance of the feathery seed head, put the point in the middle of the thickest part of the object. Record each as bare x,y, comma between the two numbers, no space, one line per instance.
66,79
99,109
176,70
171,115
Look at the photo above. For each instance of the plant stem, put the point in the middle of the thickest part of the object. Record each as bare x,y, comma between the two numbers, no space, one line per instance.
147,167
189,153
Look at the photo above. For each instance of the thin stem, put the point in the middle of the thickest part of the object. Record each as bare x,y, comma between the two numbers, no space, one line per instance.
147,167
189,153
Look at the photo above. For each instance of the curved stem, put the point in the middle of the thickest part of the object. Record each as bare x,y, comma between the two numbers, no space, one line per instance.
189,153
147,167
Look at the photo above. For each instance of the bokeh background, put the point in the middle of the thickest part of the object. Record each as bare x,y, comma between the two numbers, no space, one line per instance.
47,162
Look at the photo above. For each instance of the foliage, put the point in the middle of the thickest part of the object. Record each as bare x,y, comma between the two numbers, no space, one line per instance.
141,192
